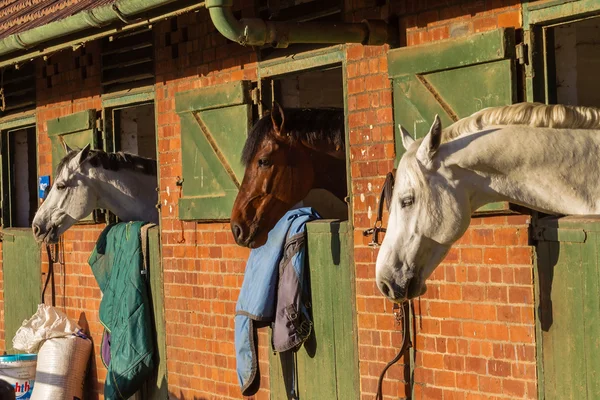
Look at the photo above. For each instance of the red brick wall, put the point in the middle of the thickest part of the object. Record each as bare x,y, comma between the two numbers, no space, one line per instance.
202,275
62,90
475,325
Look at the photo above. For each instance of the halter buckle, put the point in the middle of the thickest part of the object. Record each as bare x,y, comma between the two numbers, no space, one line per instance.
374,231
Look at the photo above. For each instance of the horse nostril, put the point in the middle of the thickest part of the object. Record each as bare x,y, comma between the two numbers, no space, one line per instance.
237,231
36,230
390,290
385,289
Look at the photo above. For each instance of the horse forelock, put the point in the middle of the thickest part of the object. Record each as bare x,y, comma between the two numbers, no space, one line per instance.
536,115
310,125
112,162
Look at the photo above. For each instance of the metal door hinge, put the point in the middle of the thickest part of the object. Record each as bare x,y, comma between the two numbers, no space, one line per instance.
522,54
100,125
546,234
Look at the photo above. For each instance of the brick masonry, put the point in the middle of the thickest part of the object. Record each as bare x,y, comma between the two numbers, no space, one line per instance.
475,325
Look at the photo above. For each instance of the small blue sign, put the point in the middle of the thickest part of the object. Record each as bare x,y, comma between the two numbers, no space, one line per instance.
44,186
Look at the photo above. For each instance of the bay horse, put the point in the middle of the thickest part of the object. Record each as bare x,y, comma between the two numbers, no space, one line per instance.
86,179
287,154
544,157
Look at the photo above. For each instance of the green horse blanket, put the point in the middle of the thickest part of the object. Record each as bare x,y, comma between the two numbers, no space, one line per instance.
125,310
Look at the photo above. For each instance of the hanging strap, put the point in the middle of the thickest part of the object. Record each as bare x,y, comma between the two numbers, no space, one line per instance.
401,313
50,276
386,196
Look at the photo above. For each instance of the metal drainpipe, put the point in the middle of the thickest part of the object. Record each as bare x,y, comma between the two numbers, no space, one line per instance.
94,18
256,32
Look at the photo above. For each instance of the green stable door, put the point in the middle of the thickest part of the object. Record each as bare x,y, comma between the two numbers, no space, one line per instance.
326,366
568,307
21,263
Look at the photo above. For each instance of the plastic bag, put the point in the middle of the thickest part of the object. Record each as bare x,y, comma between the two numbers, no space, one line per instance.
61,368
46,323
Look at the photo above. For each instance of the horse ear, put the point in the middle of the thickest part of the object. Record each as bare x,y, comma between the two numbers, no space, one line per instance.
83,154
431,143
407,140
64,145
277,117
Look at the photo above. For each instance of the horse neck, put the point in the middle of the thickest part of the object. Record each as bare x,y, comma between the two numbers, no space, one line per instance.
330,173
546,169
130,195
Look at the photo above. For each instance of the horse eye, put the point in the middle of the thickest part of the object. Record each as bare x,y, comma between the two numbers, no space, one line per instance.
407,201
61,186
263,162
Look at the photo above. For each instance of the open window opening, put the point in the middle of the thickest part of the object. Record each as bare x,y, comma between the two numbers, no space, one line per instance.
19,178
573,63
132,130
320,88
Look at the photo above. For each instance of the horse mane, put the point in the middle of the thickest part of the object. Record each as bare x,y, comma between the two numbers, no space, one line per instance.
537,115
302,124
113,161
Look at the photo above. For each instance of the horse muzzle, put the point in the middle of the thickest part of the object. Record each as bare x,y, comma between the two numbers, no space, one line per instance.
49,236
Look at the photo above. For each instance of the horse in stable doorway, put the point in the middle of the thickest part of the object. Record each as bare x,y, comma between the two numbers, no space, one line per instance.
544,157
87,179
287,154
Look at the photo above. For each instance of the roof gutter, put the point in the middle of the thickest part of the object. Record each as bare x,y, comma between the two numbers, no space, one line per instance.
257,32
97,17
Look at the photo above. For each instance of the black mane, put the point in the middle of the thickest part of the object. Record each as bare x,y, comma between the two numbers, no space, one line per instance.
313,125
112,161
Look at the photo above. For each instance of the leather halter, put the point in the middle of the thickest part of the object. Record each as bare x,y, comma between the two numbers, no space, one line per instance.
401,311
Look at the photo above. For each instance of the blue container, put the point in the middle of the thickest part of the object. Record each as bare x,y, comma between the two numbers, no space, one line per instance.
19,371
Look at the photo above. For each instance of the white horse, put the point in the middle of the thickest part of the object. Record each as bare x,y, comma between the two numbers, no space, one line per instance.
89,179
545,157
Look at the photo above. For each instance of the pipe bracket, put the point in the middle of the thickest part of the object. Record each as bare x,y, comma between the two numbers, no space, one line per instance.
90,19
119,14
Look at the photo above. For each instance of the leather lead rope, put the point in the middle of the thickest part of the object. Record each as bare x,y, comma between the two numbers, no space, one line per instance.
401,313
48,277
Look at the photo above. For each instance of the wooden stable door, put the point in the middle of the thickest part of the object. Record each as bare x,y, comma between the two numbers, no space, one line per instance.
22,285
568,307
327,364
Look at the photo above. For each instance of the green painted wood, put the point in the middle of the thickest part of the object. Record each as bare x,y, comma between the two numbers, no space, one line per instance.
574,386
426,78
225,95
17,122
454,53
156,387
328,362
591,306
302,61
317,375
212,139
127,98
80,121
561,235
568,284
557,11
344,309
22,283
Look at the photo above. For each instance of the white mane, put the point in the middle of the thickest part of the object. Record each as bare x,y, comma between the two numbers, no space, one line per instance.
533,114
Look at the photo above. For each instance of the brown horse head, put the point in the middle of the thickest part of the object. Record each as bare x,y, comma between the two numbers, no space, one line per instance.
286,156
